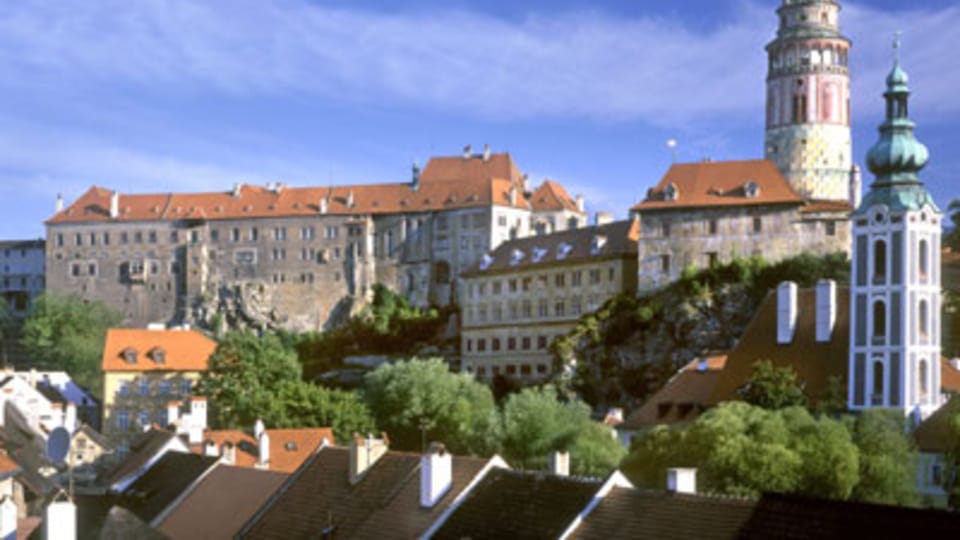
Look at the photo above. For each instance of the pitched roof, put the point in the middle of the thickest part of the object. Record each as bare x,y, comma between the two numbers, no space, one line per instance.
797,517
385,502
719,183
289,448
142,450
935,434
815,363
166,480
7,465
615,239
682,398
221,503
446,183
515,504
551,196
184,350
661,515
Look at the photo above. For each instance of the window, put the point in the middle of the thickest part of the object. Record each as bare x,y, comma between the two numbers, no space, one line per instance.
831,228
758,224
481,345
93,239
143,418
511,369
123,420
665,229
527,309
245,256
124,389
59,239
442,272
497,312
144,387
279,233
541,369
469,345
665,263
879,261
525,343
495,344
877,397
163,387
542,308
78,239
594,277
92,269
923,259
331,231
576,278
611,274
712,258
879,321
525,284
511,344
502,221
497,287
235,234
512,285
712,226
254,234
922,318
307,233
124,237
559,308
152,237
559,280
541,342
106,239
922,376
186,386
525,369
75,269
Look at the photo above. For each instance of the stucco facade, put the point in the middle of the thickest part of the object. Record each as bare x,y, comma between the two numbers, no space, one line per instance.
21,274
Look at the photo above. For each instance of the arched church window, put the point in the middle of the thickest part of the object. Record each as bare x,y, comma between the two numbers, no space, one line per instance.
922,374
879,321
923,318
877,397
923,258
879,261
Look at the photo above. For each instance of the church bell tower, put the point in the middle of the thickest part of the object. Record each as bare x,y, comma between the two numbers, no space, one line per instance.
895,280
808,100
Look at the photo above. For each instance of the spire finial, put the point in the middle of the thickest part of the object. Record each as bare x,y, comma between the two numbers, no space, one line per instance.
896,45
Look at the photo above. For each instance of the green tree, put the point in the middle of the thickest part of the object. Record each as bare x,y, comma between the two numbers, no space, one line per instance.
887,461
419,399
773,387
243,373
596,450
952,239
295,404
68,333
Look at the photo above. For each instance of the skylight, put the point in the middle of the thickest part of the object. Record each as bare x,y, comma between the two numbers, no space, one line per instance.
563,250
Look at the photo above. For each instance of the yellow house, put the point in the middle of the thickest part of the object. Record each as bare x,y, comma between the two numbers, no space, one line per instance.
143,370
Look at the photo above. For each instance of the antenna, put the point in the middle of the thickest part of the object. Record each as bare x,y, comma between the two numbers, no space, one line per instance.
896,45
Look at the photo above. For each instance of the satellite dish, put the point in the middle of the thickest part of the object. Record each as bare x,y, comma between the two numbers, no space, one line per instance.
58,444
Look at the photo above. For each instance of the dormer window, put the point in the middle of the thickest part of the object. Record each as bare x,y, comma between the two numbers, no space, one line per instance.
538,254
486,261
159,355
516,256
563,250
597,244
670,193
129,355
751,189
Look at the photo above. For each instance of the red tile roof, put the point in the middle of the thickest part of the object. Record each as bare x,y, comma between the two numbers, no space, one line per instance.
551,196
7,465
289,448
826,206
183,350
683,398
720,183
446,183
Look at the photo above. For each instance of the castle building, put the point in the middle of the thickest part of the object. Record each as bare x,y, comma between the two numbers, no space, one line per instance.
298,258
895,289
808,100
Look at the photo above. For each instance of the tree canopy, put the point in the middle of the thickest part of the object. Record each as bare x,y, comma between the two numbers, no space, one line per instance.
773,387
68,333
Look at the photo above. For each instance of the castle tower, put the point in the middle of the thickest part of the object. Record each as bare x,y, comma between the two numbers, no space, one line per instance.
895,290
808,100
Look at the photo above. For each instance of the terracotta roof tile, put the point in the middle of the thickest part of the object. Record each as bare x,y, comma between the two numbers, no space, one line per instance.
720,183
7,465
683,398
551,196
289,448
183,350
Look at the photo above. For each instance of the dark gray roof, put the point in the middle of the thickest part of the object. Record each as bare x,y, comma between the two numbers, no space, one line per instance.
166,480
22,244
144,447
563,247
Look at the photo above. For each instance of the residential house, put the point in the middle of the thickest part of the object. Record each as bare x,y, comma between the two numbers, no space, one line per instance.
278,450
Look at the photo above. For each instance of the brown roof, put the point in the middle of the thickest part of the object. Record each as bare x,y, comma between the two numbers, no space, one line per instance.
446,183
551,196
826,206
619,239
814,362
383,504
949,377
289,448
720,183
184,350
221,503
934,434
7,465
683,398
660,515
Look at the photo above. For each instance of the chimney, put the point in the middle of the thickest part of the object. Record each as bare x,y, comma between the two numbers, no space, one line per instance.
198,419
603,218
60,521
114,205
415,177
364,452
263,445
350,199
436,474
955,362
32,378
258,429
8,518
56,410
228,453
786,312
580,203
323,205
856,180
70,419
466,151
826,309
237,190
560,463
173,412
59,207
209,448
513,196
486,152
682,480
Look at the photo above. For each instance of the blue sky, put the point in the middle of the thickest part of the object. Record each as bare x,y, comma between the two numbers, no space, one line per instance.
164,95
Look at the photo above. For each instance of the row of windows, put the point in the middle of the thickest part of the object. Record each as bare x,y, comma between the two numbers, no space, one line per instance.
523,343
235,234
164,387
885,266
559,281
22,282
510,370
142,417
8,252
711,226
516,311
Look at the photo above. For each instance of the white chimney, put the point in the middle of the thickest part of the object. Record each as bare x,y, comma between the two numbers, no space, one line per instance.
32,378
603,218
237,190
581,205
513,196
114,205
324,205
173,412
8,519
855,182
56,411
59,204
486,152
228,453
436,474
786,312
364,452
560,463
258,429
198,411
70,419
263,445
209,448
350,199
466,151
60,521
826,309
955,362
682,480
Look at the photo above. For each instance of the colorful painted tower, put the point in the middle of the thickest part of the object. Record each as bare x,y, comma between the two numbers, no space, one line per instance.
895,289
808,100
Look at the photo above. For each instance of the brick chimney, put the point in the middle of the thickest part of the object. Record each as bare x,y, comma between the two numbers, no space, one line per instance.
786,312
826,309
364,452
560,463
436,474
682,480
